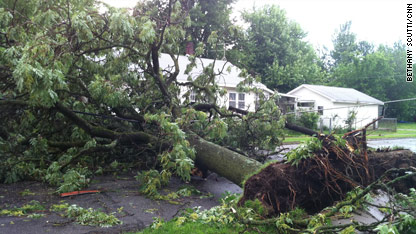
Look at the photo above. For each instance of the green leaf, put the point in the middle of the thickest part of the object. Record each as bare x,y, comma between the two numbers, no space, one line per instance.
147,33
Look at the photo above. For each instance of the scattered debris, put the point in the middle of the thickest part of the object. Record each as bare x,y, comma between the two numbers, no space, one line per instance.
75,193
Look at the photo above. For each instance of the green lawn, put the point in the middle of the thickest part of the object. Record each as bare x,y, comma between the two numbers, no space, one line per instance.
199,228
404,130
411,126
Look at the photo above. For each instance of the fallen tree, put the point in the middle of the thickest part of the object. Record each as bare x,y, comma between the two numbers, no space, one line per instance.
82,91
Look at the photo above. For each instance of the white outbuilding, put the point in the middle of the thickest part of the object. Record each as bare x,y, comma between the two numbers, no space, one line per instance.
336,104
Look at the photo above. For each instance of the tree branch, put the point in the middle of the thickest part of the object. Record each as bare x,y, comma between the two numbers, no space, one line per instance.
208,107
90,150
129,137
122,137
176,72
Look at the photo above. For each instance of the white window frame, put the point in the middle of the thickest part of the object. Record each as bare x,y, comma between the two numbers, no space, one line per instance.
237,100
192,96
232,101
241,101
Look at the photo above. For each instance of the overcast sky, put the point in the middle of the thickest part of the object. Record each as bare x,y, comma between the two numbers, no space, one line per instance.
376,21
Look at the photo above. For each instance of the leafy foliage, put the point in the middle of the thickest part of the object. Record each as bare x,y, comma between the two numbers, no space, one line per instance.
225,214
180,158
307,120
83,88
406,221
91,217
351,118
259,130
345,47
305,150
211,18
152,180
274,50
24,210
73,181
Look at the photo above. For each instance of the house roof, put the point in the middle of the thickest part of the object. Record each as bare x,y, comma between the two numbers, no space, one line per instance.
229,77
287,95
338,94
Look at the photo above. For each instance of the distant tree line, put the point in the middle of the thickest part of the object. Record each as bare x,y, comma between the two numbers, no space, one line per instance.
379,72
273,48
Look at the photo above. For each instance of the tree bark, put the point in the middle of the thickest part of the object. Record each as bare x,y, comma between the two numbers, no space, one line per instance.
223,161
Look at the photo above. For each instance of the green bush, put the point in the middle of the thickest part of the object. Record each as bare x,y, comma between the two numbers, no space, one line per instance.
352,117
307,120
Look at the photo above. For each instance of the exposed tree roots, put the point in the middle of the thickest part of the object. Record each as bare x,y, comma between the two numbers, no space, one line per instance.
319,181
393,176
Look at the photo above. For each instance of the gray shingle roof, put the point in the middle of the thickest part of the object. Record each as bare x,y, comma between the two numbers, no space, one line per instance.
338,94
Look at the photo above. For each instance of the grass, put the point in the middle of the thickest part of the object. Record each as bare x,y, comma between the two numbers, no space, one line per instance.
404,130
200,228
296,139
411,126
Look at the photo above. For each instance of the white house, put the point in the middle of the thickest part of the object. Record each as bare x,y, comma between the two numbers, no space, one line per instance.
228,78
336,104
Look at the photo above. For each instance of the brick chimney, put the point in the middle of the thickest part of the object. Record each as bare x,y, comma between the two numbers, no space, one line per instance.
190,48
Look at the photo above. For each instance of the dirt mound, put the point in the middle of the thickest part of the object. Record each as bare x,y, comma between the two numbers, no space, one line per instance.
319,181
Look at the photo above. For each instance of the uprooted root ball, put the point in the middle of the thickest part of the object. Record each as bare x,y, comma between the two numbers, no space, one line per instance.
320,180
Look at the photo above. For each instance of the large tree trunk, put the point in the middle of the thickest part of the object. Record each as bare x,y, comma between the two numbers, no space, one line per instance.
227,163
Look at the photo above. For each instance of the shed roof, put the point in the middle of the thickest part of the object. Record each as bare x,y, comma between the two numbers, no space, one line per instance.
338,94
227,77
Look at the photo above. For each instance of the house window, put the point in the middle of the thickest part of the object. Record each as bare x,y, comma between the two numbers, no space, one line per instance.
306,104
241,101
320,110
232,99
192,96
237,101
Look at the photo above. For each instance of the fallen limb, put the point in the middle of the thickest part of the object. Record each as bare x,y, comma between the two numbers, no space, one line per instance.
95,149
301,129
372,186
